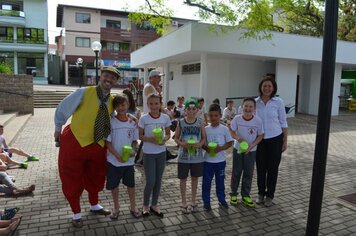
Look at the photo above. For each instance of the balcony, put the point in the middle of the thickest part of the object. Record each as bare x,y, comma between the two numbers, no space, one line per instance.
12,18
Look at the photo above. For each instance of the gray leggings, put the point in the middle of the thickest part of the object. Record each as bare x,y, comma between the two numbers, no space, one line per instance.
153,165
6,184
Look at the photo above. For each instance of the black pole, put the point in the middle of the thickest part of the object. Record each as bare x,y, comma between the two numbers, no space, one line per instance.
324,115
96,67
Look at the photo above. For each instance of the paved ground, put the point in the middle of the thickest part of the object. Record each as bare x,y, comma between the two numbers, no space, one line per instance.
47,212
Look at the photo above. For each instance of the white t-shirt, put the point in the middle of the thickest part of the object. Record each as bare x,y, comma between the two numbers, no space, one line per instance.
122,133
168,112
201,114
148,123
1,140
144,97
231,113
246,129
181,110
220,135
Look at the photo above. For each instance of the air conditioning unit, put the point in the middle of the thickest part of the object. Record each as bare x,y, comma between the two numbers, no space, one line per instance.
174,23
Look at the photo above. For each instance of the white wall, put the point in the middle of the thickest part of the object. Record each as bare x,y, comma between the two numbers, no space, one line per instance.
304,71
286,78
336,91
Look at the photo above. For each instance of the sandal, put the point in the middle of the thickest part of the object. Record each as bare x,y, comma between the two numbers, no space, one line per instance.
8,214
78,223
157,213
114,215
14,225
136,213
185,210
193,208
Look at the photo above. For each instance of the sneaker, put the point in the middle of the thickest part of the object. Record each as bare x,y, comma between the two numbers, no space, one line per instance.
268,202
33,158
233,200
23,165
207,207
224,204
248,201
260,199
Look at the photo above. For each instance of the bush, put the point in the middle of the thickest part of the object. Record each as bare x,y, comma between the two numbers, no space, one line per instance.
5,68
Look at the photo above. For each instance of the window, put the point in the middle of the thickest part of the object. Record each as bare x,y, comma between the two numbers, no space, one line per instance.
3,32
113,24
82,42
30,35
145,26
191,69
82,18
116,46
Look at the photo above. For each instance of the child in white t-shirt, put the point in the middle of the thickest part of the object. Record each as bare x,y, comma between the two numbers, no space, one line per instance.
154,131
124,134
229,111
246,129
219,136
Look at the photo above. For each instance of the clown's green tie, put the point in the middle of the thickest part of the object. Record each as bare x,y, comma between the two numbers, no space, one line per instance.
102,122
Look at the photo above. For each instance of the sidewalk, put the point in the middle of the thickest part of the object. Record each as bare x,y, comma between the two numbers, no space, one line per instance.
48,213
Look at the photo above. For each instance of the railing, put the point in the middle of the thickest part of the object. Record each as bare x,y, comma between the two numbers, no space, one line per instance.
16,93
12,13
21,41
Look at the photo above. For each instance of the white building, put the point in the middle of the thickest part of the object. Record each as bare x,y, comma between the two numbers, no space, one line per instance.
23,37
201,63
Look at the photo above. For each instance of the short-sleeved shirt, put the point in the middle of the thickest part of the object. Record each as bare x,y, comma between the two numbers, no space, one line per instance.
201,114
246,129
190,131
231,113
220,135
122,133
148,123
181,111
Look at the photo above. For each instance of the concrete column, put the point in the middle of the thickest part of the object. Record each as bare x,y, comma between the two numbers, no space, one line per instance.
45,65
145,75
336,92
165,82
16,69
314,88
286,78
203,83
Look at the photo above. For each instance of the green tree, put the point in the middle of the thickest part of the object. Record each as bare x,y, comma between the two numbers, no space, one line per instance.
259,17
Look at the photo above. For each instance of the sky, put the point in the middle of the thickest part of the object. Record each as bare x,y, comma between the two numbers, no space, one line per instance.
181,11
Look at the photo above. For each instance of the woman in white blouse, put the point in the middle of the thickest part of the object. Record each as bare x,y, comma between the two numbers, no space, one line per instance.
269,151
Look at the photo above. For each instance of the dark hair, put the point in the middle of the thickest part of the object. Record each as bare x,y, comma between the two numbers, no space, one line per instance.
154,96
200,99
170,103
274,84
250,99
179,97
214,107
1,126
132,103
119,99
229,101
216,101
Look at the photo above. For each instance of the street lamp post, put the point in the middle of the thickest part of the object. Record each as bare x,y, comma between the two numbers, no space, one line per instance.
96,47
80,64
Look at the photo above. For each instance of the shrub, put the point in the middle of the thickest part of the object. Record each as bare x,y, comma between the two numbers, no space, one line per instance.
5,68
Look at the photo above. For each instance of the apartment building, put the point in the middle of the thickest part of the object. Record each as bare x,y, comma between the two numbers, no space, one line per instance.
81,26
23,37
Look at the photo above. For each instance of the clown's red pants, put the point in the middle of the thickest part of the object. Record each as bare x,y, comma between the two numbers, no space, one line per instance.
80,168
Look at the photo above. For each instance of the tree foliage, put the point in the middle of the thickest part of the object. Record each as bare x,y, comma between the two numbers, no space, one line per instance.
259,17
5,68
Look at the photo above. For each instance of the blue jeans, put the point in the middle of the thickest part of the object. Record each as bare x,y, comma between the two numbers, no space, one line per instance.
211,169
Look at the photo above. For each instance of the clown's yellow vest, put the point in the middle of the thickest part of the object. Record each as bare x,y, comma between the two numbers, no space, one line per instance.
83,119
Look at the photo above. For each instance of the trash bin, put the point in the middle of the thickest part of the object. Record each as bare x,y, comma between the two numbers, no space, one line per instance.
139,98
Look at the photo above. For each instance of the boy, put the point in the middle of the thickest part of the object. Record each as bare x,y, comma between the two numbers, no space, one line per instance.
219,136
230,111
190,136
154,132
10,150
201,114
169,109
179,109
123,132
246,127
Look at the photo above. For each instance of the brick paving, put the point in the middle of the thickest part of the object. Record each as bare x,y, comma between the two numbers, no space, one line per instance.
47,212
